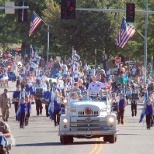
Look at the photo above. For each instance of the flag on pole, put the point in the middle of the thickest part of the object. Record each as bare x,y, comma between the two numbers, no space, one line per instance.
35,21
125,34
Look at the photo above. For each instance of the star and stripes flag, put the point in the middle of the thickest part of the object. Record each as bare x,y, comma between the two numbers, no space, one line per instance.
35,21
125,34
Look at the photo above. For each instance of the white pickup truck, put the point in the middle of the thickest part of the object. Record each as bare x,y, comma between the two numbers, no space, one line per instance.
88,118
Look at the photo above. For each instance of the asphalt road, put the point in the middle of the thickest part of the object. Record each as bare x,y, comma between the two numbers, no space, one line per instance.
41,137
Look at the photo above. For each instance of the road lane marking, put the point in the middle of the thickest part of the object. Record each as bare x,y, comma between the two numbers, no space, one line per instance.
100,146
95,146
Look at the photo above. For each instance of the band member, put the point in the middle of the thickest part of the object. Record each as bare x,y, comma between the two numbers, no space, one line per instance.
15,100
121,109
28,108
38,100
134,100
47,97
23,105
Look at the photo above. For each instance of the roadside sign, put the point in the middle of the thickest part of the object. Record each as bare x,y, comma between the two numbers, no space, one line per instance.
10,9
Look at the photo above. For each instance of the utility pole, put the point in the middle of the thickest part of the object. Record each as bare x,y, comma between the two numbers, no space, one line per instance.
145,42
48,37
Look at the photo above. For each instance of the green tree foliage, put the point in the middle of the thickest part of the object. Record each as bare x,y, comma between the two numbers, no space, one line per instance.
89,31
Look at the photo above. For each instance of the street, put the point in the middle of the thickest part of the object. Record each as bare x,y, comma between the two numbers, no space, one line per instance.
41,137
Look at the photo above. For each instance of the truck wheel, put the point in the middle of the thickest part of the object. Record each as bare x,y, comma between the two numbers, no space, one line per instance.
106,139
66,139
70,139
112,138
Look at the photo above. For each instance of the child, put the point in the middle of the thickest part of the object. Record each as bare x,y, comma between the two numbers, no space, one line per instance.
22,112
28,107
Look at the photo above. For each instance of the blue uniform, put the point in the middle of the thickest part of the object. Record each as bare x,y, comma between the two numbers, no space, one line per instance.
16,94
47,95
32,90
28,107
23,107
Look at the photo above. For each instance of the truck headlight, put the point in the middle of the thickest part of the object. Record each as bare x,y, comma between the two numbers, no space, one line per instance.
110,119
65,121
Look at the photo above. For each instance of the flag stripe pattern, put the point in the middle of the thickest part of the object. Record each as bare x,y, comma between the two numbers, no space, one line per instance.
35,21
125,34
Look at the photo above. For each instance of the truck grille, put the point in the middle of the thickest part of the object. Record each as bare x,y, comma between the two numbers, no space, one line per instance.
84,125
82,113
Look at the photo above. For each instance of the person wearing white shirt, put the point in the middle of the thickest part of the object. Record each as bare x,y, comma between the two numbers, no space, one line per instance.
95,86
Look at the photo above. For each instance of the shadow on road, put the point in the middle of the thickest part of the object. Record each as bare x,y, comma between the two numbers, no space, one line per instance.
58,143
128,134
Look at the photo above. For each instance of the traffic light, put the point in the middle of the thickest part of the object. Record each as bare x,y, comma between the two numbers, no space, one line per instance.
22,13
68,9
130,12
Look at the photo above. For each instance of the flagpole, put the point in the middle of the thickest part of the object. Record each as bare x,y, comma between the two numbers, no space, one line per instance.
48,37
40,18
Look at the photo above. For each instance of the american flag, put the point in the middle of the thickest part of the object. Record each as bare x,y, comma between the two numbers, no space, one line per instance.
125,34
35,21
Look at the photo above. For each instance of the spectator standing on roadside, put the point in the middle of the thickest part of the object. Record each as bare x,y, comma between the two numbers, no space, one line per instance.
5,104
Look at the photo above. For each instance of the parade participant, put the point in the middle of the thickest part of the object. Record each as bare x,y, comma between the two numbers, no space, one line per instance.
57,108
149,113
76,88
95,86
81,86
134,100
128,94
32,92
47,97
4,105
23,105
121,108
102,96
28,108
114,102
38,100
15,100
122,81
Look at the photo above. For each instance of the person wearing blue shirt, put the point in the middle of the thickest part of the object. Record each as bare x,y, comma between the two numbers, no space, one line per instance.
57,108
22,112
47,97
28,108
121,109
149,112
16,98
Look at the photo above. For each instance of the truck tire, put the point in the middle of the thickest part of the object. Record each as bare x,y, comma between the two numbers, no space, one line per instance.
112,138
106,139
66,139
